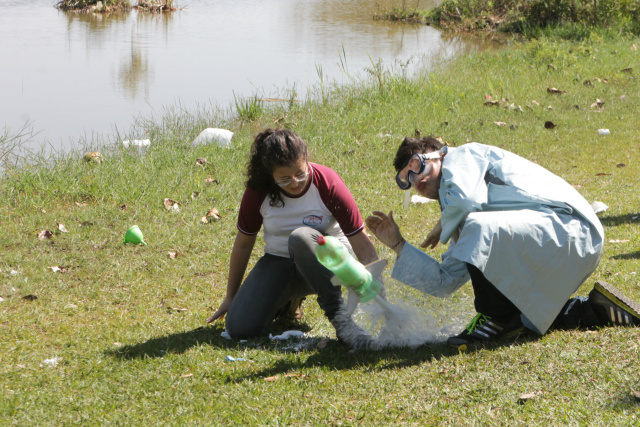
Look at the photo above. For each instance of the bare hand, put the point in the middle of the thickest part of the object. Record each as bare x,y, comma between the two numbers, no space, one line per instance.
433,238
384,228
222,310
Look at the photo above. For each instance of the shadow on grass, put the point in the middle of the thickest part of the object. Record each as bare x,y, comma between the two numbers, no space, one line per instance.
614,220
177,343
632,255
180,342
337,357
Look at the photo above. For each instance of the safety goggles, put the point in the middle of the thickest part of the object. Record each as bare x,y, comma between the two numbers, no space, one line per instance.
414,167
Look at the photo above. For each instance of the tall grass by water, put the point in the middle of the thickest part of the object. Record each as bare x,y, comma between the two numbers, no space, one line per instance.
96,332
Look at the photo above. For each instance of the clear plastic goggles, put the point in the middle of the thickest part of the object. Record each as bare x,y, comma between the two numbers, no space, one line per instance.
287,181
414,168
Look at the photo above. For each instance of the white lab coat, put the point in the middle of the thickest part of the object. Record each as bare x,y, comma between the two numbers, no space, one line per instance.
531,233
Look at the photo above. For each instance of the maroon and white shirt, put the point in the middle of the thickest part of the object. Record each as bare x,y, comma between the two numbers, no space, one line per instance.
326,205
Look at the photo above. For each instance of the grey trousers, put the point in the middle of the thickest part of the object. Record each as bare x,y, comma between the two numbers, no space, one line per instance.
274,281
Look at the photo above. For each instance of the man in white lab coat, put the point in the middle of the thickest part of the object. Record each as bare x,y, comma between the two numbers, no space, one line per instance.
524,236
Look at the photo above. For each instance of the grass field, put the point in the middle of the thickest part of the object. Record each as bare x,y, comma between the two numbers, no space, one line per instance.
117,334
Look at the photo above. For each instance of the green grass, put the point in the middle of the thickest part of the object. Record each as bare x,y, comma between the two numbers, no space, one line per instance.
532,18
128,357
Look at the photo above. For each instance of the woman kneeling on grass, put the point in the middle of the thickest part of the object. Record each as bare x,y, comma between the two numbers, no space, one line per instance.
295,201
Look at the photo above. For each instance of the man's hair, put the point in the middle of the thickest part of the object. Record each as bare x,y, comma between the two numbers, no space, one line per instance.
410,146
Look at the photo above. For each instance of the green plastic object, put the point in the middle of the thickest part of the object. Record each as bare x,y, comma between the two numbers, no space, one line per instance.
134,235
332,254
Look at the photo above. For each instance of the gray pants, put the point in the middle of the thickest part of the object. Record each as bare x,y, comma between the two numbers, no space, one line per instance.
275,281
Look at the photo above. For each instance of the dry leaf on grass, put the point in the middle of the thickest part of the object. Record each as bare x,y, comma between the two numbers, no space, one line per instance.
30,297
597,104
272,379
186,375
44,234
212,215
171,205
172,254
523,398
56,269
549,124
80,205
555,91
195,195
211,180
201,161
636,394
62,228
500,123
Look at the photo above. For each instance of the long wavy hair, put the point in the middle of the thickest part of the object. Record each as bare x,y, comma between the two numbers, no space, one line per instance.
270,150
409,146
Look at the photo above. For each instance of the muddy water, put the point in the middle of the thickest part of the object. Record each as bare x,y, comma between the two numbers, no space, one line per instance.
75,77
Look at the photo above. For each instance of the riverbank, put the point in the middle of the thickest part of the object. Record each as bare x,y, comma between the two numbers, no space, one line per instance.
107,6
97,332
531,18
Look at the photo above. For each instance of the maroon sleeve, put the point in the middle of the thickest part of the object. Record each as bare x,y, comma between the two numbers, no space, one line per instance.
338,199
249,216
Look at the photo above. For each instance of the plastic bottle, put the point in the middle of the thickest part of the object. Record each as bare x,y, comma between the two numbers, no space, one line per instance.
332,254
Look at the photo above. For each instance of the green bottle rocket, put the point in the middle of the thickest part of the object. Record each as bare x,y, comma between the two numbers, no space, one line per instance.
332,254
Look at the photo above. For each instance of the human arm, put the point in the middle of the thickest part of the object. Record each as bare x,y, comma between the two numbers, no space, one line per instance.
422,272
386,230
363,248
240,254
463,189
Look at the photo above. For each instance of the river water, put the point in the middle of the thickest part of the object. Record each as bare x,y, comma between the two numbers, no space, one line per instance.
81,77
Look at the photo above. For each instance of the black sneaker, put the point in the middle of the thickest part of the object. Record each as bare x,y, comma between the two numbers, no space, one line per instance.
612,307
482,328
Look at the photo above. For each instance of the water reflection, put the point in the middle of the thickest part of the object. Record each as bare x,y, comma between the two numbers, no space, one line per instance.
77,74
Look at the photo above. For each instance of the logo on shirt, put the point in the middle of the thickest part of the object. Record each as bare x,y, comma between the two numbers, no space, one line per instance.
312,220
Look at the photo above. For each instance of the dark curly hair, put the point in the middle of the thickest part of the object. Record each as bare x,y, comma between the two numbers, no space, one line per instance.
409,146
272,149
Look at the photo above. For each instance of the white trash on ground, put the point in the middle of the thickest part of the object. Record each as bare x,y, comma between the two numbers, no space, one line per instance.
222,137
599,207
51,362
136,143
286,335
604,132
420,199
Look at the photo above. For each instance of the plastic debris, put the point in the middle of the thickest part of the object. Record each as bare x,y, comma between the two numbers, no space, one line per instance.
222,137
604,132
286,335
51,362
599,207
235,359
420,199
225,335
136,143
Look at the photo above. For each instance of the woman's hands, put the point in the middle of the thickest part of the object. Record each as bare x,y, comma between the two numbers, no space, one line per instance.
221,311
386,230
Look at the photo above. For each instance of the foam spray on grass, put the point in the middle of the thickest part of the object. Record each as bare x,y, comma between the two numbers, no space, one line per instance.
394,324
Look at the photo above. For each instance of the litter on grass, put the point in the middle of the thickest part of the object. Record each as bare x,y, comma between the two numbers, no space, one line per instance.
222,137
599,207
420,199
286,335
136,143
51,362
